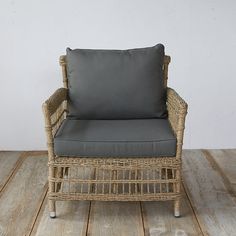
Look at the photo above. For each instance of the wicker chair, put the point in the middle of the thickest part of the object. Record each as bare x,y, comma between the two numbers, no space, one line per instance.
154,178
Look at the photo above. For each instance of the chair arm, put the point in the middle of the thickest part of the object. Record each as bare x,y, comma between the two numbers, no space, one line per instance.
177,111
55,100
55,111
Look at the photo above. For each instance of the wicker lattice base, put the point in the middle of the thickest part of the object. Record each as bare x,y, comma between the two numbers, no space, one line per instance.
111,179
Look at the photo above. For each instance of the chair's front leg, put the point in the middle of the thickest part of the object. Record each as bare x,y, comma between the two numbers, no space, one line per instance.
177,208
51,203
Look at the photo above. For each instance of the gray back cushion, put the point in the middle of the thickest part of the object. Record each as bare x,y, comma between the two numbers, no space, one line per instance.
116,84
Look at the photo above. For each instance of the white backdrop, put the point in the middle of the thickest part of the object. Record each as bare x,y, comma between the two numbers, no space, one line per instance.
200,36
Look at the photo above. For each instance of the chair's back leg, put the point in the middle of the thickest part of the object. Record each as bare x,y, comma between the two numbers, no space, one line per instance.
177,201
51,203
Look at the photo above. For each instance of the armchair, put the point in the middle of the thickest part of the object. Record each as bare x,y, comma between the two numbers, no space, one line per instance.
118,177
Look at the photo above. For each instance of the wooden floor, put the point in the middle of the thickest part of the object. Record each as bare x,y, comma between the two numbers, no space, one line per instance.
208,205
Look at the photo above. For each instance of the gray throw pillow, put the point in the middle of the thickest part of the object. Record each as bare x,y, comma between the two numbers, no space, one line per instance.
116,84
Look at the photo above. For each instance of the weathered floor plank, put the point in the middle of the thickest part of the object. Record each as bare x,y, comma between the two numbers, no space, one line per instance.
116,219
20,200
72,217
214,206
8,162
226,161
159,220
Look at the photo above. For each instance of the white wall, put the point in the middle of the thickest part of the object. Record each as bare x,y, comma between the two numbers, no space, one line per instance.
199,35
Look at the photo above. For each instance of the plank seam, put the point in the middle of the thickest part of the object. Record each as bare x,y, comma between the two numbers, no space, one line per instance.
88,219
44,194
13,172
143,218
193,210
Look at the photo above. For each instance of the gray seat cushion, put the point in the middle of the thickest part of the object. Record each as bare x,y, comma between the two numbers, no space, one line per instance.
116,84
115,138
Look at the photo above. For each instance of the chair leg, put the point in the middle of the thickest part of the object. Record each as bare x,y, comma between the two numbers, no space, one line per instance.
51,203
52,208
177,208
177,201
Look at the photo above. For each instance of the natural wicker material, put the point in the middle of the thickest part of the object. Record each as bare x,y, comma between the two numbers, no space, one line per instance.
109,179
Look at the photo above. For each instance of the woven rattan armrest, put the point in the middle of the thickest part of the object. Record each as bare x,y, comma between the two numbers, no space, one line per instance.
55,100
177,111
55,111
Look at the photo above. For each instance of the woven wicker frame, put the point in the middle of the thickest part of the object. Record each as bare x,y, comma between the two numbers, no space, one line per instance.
113,179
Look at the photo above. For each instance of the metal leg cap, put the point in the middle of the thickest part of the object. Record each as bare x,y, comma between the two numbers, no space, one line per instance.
52,214
177,214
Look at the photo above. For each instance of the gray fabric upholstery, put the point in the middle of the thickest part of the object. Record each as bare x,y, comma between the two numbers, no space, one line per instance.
116,84
115,138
